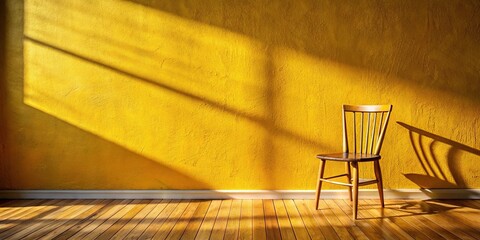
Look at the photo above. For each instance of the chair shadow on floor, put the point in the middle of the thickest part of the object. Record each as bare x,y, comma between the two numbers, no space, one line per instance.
410,208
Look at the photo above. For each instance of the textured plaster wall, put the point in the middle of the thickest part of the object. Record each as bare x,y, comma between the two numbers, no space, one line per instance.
233,94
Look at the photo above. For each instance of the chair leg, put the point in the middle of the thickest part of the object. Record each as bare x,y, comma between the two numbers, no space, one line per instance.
349,180
321,169
355,189
378,175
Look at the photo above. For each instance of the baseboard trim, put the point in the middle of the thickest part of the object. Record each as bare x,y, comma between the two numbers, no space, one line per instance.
238,194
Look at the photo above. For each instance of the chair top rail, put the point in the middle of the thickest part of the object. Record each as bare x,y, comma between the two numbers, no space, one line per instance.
367,108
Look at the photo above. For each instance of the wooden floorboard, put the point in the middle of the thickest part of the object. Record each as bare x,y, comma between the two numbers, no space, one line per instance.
259,230
152,211
221,222
238,219
271,223
233,223
161,219
246,221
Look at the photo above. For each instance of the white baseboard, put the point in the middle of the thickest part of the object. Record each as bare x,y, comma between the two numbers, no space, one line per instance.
238,194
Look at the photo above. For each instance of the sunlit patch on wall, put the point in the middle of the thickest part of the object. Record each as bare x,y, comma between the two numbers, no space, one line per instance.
195,97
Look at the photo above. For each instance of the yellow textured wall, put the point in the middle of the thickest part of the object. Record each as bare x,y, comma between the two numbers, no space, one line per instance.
233,94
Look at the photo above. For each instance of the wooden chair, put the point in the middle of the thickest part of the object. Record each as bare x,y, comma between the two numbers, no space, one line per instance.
369,123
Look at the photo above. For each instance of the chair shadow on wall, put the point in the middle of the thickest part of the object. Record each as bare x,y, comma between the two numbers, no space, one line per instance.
436,174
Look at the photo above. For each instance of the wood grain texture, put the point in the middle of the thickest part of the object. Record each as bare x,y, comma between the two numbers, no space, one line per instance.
209,220
221,222
259,231
271,223
238,219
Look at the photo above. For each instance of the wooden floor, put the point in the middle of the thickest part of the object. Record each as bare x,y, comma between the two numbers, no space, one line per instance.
237,219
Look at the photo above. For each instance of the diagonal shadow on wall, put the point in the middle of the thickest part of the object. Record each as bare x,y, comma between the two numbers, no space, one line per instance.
266,120
113,163
416,41
326,35
114,166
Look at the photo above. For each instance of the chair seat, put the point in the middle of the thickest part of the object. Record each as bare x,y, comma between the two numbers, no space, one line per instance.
349,157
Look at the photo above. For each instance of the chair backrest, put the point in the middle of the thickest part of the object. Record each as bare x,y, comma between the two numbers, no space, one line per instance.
368,123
